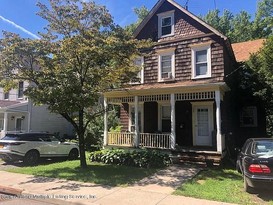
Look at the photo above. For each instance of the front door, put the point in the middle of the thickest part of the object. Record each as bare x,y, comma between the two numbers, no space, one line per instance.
202,125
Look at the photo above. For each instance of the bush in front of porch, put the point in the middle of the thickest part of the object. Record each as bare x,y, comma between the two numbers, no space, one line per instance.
137,158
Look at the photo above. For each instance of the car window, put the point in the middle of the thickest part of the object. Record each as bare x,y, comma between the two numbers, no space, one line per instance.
262,147
12,137
53,138
45,138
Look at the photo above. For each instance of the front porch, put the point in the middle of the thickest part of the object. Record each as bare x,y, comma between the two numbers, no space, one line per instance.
170,120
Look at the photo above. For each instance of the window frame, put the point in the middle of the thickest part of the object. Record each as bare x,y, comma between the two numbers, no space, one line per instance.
254,116
141,72
160,55
20,90
6,95
141,110
162,16
194,50
160,115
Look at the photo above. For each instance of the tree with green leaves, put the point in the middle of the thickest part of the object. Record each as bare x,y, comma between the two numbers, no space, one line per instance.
81,55
141,13
241,27
260,68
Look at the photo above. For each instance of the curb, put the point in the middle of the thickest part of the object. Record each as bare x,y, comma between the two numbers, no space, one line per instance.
10,191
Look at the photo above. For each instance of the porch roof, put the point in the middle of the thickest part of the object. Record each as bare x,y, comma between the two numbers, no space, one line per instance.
6,103
167,88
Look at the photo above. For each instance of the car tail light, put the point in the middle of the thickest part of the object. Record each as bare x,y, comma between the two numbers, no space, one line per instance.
259,168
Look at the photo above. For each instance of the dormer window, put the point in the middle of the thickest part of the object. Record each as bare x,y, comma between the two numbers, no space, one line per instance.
166,24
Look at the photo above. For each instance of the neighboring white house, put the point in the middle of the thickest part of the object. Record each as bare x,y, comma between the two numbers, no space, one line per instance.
18,114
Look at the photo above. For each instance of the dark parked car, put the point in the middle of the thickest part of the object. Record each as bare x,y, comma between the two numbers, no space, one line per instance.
255,162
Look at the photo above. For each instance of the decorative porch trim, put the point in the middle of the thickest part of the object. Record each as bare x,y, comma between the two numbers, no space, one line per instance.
208,95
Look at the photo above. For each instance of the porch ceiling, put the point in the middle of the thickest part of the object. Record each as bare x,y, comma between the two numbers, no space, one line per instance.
167,88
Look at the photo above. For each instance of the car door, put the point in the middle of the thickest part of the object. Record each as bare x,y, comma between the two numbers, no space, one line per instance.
62,149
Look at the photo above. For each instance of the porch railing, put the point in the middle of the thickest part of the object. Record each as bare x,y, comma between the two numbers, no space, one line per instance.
121,139
153,140
149,140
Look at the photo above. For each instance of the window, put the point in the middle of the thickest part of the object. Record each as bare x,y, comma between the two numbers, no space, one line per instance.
248,116
140,76
18,125
6,95
166,66
166,24
21,89
132,118
165,123
201,62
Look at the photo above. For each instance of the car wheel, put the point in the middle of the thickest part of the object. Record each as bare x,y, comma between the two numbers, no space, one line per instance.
247,188
31,157
73,154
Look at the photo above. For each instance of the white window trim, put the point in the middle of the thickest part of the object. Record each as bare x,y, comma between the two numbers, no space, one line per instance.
5,95
141,72
193,54
165,15
141,109
172,53
160,105
16,123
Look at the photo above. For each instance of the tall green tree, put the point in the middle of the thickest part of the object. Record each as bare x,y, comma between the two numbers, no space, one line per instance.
81,54
242,26
261,67
141,13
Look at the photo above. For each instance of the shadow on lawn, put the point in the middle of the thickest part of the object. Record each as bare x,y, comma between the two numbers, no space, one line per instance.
106,175
265,195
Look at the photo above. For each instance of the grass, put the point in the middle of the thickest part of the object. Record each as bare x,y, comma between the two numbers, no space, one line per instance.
98,173
224,185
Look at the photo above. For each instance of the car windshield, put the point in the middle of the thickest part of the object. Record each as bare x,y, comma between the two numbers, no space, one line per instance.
12,137
263,147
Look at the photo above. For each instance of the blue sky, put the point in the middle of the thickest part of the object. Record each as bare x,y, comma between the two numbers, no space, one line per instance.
19,16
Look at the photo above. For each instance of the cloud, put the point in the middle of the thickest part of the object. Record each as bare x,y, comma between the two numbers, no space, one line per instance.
19,27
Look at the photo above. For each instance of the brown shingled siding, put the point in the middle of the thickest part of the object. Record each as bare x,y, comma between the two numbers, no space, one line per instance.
183,71
124,116
184,25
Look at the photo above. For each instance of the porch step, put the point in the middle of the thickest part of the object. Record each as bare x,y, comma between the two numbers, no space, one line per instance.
206,159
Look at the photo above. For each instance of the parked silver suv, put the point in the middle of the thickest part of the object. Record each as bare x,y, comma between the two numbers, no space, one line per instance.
29,147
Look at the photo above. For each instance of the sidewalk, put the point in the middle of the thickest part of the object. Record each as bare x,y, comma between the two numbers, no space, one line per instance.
154,190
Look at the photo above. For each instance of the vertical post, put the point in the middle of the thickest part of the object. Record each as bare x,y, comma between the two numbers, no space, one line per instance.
105,138
173,134
218,121
5,126
136,123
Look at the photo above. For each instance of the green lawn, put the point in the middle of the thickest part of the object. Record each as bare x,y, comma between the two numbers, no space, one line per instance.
224,185
96,173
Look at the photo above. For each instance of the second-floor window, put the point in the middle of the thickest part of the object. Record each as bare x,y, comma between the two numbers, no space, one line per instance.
165,24
21,89
139,62
6,95
201,62
166,66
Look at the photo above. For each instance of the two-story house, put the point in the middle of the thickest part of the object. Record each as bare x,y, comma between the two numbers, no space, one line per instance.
182,98
19,114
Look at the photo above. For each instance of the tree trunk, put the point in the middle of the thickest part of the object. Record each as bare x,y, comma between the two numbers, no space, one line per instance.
81,140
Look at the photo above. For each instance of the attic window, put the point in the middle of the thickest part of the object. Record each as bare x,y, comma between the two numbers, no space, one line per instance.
166,24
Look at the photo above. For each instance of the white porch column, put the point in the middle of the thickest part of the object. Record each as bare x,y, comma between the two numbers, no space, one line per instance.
5,126
136,123
173,135
218,121
105,135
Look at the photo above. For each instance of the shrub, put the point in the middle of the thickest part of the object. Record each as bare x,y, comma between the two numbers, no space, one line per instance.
138,158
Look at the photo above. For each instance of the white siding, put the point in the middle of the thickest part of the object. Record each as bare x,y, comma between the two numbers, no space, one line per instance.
44,121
